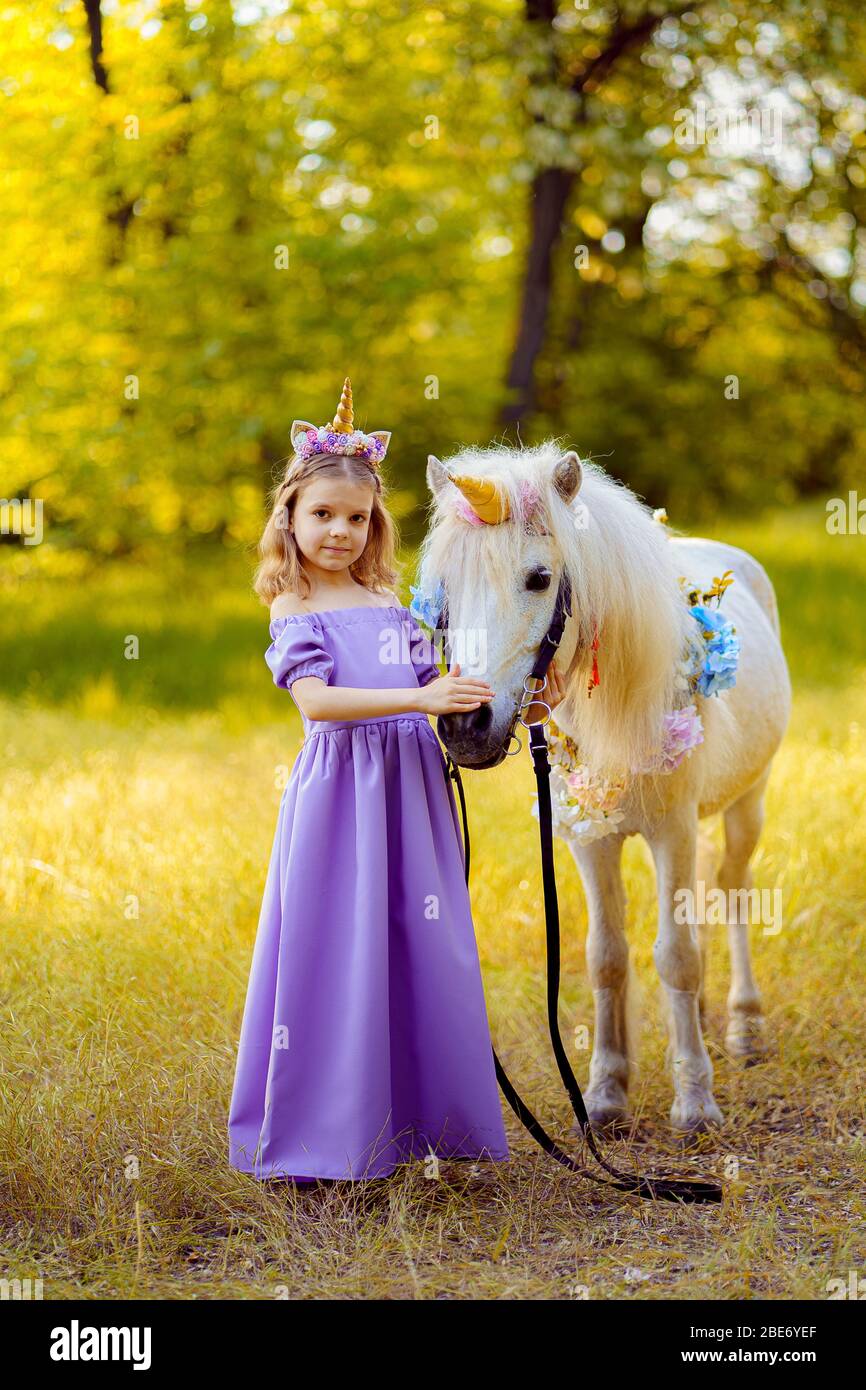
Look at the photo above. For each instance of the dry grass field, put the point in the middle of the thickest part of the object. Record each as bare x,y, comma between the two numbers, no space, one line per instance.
137,811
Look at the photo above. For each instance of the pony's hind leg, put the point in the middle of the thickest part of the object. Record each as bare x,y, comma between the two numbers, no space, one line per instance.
607,962
744,820
707,868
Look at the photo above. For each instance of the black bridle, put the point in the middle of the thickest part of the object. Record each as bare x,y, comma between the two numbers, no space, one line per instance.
653,1186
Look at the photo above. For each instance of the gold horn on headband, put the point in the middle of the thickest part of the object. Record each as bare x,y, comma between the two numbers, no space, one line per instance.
343,420
340,437
484,497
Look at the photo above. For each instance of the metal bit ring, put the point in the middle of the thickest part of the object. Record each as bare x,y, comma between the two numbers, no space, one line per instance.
534,700
513,751
542,722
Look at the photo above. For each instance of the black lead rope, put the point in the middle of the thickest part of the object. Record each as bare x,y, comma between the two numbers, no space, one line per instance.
654,1186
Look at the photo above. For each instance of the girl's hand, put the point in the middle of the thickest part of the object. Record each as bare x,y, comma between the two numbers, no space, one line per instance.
453,694
552,695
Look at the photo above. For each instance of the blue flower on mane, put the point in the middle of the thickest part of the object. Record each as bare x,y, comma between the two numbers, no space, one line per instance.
722,650
425,606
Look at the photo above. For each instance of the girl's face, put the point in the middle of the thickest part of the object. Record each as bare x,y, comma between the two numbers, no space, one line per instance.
331,522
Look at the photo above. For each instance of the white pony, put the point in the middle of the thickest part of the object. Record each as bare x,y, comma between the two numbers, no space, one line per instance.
499,540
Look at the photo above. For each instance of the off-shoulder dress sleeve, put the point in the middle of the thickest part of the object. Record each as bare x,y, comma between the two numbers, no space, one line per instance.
297,649
422,653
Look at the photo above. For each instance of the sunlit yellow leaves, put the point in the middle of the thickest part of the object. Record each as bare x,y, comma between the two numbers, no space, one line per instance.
596,271
390,149
590,222
629,285
166,507
110,110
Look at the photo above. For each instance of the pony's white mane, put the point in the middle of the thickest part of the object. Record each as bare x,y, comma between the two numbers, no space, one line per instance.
623,578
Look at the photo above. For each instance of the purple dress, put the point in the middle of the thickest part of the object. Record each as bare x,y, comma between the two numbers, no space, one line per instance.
365,1041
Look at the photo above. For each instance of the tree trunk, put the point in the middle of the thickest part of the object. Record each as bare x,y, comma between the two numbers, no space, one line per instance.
550,190
120,209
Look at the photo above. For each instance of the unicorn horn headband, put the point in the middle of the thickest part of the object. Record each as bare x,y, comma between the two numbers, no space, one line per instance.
339,437
484,501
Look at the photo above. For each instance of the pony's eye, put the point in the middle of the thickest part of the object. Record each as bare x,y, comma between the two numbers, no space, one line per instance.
539,578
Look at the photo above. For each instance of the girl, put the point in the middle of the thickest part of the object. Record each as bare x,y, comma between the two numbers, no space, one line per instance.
365,1038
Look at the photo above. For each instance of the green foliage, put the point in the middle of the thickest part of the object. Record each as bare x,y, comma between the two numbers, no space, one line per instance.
199,248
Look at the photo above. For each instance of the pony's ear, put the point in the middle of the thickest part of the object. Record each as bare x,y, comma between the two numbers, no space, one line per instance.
299,427
437,475
568,476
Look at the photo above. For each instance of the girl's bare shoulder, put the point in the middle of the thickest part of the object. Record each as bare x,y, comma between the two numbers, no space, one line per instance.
287,605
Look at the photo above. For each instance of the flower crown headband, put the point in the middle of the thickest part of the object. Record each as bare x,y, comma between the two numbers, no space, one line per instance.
339,437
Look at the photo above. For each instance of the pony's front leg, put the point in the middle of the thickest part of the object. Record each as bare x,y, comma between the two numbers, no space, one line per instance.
600,870
677,957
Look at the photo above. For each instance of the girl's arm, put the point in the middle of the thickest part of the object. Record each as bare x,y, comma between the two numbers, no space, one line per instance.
444,695
317,700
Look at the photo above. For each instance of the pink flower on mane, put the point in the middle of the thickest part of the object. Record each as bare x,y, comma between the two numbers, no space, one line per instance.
468,513
683,731
529,497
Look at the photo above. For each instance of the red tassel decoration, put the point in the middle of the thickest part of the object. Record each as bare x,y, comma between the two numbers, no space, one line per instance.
594,678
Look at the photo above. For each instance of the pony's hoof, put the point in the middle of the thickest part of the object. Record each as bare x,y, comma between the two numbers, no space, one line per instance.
746,1046
608,1111
612,1124
696,1113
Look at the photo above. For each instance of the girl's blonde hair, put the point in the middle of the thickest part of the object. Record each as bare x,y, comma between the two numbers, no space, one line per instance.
280,569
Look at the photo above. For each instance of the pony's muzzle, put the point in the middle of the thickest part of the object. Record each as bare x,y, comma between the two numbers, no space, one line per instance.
467,737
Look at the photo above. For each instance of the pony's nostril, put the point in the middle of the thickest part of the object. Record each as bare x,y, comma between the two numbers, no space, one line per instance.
479,720
475,722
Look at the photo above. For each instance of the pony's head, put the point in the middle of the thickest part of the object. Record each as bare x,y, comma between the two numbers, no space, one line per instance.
506,524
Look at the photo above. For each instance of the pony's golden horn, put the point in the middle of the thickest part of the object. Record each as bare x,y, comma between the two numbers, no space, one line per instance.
484,497
342,422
